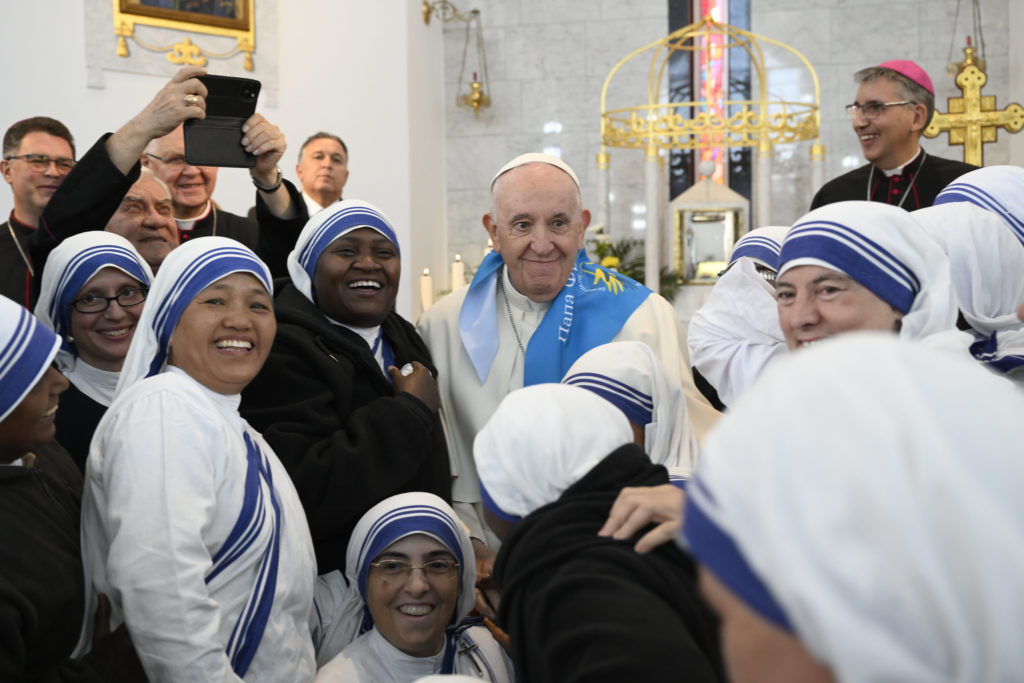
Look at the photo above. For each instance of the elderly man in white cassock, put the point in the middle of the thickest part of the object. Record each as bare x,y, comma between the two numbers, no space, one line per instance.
536,304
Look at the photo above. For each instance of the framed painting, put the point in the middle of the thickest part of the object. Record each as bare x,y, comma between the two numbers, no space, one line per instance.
230,14
231,19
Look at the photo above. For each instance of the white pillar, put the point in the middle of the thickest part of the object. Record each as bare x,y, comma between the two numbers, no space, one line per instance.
817,168
762,186
603,197
652,235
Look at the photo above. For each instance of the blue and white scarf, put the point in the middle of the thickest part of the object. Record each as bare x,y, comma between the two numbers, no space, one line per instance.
999,189
763,245
590,310
72,264
336,220
987,263
884,249
188,270
26,349
404,515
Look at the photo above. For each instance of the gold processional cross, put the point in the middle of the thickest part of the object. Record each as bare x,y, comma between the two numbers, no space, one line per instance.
973,119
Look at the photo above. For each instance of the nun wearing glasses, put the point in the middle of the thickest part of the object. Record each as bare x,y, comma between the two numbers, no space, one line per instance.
94,286
411,561
189,522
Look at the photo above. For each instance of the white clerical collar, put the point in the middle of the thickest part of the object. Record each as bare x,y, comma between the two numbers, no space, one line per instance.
313,206
517,300
189,223
889,173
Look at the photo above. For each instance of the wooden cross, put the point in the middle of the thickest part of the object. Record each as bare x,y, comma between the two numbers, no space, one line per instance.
973,119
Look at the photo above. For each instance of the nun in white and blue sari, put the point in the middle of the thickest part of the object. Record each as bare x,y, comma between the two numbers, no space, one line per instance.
189,522
987,261
79,273
735,334
398,599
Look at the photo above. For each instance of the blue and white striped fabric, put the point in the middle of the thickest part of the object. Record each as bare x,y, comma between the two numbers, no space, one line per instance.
987,263
762,244
540,441
884,249
999,189
630,376
72,264
404,515
600,301
27,348
256,512
188,270
864,495
326,226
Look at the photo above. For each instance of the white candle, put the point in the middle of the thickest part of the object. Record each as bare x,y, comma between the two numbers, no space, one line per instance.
426,289
458,272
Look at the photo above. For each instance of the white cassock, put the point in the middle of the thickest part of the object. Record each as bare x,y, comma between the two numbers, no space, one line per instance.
466,405
165,483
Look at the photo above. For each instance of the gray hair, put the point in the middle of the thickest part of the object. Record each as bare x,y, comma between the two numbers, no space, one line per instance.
909,90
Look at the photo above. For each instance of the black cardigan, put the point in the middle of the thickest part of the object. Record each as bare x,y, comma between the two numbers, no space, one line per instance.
331,416
42,589
581,607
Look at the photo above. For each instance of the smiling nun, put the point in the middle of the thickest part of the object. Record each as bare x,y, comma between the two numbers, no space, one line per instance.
189,522
93,291
350,427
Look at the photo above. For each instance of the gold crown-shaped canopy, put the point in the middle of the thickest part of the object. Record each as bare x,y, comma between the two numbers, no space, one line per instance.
760,122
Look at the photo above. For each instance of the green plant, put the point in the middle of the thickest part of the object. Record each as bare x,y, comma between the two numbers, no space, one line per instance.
627,257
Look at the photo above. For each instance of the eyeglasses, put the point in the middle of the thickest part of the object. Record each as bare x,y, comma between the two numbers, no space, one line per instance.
872,110
40,163
93,303
435,569
173,162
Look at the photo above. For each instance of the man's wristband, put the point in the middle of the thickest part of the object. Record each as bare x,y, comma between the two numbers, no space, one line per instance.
268,188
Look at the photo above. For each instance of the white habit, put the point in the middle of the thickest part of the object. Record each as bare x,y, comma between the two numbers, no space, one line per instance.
164,486
466,405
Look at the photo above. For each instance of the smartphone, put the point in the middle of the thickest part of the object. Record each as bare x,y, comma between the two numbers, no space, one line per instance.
217,139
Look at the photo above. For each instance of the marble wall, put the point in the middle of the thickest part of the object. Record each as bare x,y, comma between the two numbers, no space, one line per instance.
840,37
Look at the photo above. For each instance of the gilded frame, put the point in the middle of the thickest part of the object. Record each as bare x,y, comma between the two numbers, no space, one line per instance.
680,244
131,13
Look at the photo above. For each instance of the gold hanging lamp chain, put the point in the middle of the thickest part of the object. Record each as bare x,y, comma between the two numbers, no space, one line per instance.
480,47
978,34
446,12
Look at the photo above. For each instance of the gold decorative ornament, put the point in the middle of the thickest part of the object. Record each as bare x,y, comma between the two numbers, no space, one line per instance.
225,18
972,119
477,98
703,231
760,123
446,11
